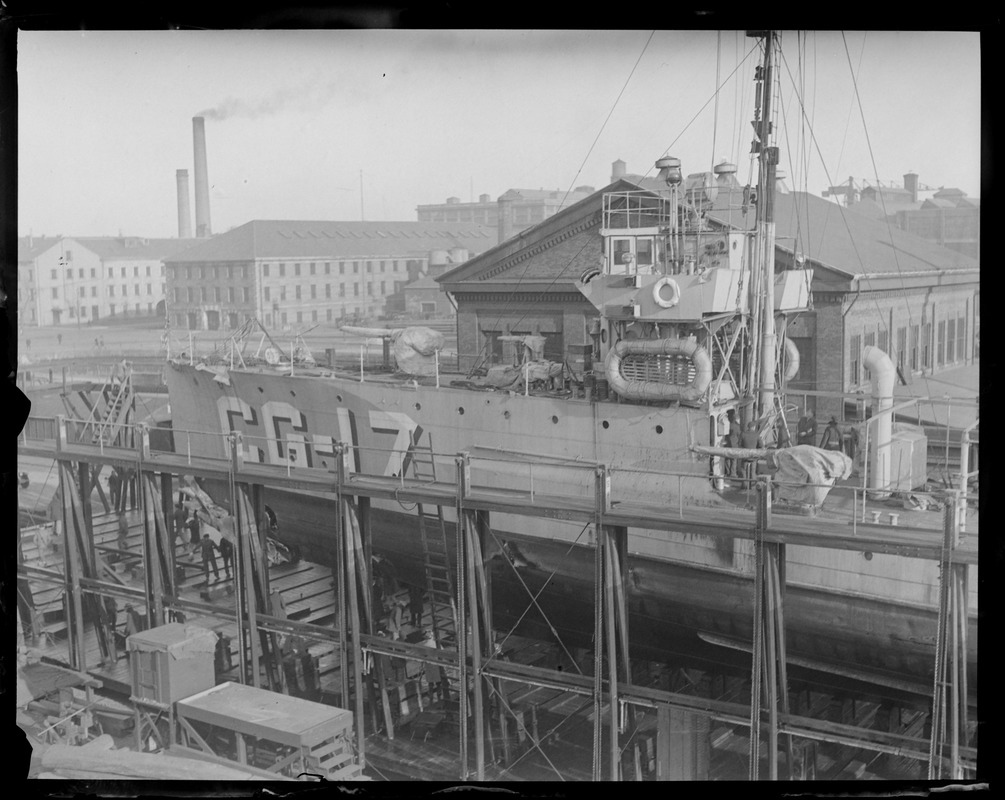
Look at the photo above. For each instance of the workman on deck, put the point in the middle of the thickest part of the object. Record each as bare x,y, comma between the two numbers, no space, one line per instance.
832,436
806,430
749,441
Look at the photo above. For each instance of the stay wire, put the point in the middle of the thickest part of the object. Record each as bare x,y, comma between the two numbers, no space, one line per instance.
607,119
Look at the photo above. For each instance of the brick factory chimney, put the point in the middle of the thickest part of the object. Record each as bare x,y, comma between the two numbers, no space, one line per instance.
911,184
184,208
202,225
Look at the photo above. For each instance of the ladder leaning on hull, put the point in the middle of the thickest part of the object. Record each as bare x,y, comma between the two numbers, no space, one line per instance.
435,558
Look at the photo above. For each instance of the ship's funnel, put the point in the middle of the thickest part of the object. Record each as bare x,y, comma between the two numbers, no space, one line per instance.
202,225
184,208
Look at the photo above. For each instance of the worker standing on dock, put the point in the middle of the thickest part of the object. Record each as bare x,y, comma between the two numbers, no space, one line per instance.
123,536
209,558
192,523
415,605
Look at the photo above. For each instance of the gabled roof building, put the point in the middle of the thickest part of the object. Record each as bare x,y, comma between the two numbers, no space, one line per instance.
872,284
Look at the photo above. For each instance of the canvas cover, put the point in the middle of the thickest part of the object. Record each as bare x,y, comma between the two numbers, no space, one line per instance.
807,473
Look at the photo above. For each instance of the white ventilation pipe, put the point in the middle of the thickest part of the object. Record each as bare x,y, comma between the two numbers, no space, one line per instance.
883,375
791,360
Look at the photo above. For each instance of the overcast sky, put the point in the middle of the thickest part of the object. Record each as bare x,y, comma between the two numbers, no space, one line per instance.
294,119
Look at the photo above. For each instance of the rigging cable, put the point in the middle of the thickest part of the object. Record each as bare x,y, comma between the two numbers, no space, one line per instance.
573,259
715,115
512,296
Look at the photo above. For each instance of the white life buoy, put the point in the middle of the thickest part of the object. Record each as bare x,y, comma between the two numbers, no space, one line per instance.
271,356
674,298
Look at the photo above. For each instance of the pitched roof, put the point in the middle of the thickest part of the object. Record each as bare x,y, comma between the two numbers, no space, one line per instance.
28,247
829,235
290,239
116,248
853,244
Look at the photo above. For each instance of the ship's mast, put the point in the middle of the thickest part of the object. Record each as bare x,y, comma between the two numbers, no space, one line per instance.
765,244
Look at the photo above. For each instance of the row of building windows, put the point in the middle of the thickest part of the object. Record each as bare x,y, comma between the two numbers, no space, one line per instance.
82,274
915,347
206,294
82,292
95,311
191,319
313,267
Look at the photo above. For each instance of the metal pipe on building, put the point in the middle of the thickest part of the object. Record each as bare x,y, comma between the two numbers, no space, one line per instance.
883,375
184,207
202,223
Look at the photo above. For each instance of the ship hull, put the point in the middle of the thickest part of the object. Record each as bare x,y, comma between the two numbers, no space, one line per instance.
875,614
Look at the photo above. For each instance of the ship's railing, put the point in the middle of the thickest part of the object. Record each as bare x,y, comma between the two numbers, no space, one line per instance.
540,478
632,210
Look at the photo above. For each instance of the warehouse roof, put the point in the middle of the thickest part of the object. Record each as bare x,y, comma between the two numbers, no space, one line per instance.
289,239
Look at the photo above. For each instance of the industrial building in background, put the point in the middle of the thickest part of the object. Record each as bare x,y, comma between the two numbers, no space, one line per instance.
73,280
295,272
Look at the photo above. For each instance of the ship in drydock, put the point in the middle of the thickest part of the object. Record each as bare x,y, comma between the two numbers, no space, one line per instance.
686,345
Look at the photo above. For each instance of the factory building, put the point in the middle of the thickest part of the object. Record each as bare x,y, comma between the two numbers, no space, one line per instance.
292,273
69,280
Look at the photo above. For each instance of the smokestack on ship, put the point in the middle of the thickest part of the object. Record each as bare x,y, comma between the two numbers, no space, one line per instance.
184,208
202,226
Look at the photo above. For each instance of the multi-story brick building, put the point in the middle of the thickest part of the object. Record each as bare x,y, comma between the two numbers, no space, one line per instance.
289,273
69,280
514,211
872,284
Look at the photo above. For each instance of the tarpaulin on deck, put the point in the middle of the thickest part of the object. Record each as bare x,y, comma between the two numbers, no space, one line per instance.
807,473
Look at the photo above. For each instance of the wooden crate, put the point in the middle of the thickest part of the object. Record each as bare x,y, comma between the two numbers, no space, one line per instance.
171,662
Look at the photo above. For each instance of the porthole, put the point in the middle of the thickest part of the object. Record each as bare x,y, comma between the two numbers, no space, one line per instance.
418,406
460,409
505,414
554,420
659,429
338,397
292,393
605,424
261,390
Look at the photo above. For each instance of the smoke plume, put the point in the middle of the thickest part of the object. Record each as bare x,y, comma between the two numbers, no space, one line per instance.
301,98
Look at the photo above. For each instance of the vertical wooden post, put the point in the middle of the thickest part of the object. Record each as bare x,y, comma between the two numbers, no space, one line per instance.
462,464
354,618
601,504
78,659
167,510
475,645
341,453
614,743
240,580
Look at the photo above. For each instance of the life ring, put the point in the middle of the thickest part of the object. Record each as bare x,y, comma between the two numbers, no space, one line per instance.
674,292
